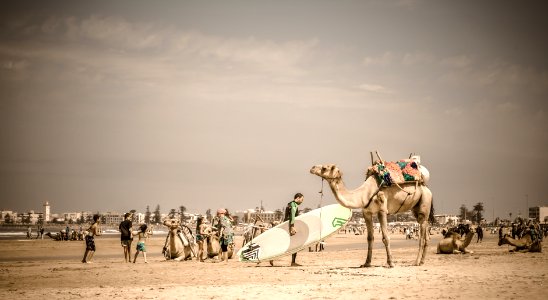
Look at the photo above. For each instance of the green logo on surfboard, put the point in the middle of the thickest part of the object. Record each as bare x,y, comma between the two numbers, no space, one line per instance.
338,222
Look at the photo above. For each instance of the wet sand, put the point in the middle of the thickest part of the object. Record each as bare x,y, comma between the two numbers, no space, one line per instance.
46,268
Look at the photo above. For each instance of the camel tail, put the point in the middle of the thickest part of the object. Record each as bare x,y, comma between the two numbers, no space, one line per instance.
431,218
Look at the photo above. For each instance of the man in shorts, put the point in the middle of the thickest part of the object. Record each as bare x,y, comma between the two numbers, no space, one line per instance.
125,238
93,231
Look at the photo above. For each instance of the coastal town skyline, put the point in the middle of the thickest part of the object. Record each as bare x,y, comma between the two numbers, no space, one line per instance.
118,105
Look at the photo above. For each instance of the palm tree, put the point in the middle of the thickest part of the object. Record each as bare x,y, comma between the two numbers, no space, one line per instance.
478,209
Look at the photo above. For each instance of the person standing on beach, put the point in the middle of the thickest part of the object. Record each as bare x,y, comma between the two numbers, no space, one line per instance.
143,235
224,231
93,231
125,237
479,231
200,238
291,212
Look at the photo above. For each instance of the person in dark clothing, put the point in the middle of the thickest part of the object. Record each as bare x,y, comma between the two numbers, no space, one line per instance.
479,232
291,212
125,237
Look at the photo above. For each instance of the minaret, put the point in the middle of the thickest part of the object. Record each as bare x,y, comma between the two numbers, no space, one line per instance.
46,212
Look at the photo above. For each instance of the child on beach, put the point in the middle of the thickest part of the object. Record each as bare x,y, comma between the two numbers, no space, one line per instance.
143,235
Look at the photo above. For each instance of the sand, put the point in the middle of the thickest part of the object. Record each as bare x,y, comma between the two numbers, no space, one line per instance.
51,269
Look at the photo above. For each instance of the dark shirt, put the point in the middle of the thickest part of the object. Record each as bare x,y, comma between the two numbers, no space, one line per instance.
125,230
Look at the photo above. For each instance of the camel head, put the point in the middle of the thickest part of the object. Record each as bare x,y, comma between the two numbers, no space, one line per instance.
328,172
172,223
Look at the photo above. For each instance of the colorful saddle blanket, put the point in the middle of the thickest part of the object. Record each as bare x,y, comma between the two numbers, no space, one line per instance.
402,171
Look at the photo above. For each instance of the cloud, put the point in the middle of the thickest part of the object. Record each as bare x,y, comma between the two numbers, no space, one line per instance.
391,58
374,88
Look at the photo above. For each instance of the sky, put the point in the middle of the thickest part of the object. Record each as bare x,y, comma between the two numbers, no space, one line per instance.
116,105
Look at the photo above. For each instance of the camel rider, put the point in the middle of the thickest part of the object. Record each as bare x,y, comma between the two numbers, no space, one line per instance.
225,232
292,211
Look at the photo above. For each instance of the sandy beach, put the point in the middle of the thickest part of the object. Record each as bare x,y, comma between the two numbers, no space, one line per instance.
45,268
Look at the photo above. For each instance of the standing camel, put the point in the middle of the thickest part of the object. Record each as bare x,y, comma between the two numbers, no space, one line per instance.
382,201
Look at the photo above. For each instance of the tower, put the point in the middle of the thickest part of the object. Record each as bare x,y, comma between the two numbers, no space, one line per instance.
46,211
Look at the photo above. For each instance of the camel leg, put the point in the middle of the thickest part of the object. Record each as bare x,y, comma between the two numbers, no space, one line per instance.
370,238
385,238
422,212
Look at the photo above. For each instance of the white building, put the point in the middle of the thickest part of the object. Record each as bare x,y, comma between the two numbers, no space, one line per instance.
447,219
539,213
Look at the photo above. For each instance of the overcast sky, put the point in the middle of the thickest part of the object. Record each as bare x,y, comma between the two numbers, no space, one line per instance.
116,105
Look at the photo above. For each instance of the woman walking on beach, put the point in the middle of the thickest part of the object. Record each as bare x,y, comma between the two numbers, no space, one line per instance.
93,231
143,235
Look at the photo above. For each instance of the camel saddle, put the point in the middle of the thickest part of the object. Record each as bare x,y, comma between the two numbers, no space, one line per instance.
402,171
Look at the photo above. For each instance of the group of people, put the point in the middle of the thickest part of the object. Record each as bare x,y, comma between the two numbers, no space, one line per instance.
222,225
126,238
39,232
519,229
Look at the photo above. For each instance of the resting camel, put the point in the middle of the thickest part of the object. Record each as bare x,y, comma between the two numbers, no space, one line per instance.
56,236
453,244
524,244
180,240
387,200
214,246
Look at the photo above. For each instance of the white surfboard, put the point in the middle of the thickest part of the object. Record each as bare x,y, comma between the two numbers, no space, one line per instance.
311,227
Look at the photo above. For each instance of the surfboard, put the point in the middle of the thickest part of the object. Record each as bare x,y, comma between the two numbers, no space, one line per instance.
311,227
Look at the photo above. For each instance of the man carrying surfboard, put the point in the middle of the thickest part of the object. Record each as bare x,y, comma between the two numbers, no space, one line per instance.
291,212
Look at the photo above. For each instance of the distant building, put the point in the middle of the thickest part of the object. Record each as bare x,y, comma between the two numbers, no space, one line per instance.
250,215
72,216
447,219
539,213
47,212
7,216
112,217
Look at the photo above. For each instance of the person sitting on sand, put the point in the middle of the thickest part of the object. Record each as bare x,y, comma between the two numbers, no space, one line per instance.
143,235
93,231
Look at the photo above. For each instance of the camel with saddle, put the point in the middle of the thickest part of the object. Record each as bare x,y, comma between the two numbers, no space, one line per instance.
529,242
389,188
180,242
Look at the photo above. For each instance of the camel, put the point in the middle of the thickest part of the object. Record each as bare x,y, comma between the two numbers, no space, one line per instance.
56,236
453,244
524,244
382,201
180,240
214,246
